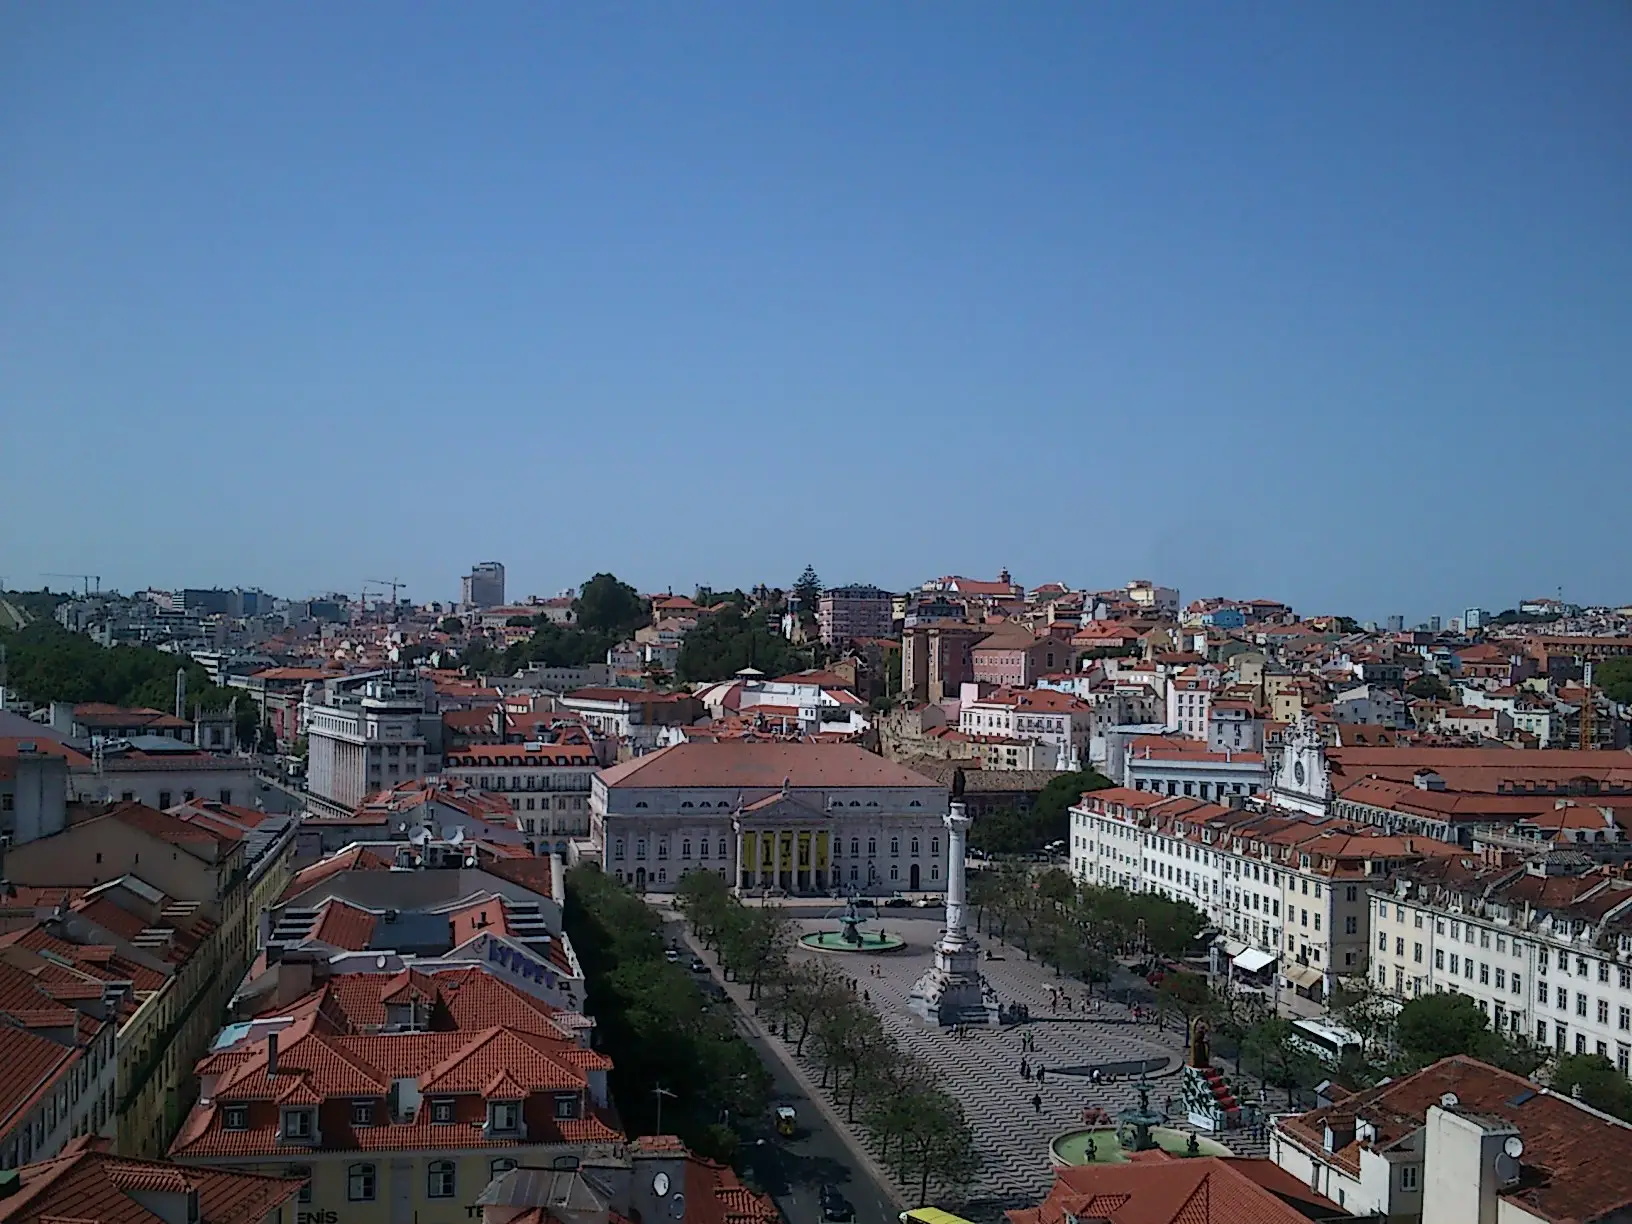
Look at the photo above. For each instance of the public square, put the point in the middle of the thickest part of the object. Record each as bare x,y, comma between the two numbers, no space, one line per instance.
983,1068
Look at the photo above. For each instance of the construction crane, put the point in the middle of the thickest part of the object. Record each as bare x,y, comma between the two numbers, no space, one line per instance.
85,578
396,584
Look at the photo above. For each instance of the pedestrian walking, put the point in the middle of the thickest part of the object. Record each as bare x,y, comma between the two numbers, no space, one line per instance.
1025,1069
1036,1103
1040,1071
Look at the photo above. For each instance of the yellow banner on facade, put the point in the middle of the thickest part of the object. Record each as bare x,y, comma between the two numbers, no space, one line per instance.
767,850
804,851
785,859
747,850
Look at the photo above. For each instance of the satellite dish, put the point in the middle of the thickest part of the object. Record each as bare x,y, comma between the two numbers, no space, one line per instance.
677,1206
660,1184
1514,1146
1449,1101
1507,1170
379,961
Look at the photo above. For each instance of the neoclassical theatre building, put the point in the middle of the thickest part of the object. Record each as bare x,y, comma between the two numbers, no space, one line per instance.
803,818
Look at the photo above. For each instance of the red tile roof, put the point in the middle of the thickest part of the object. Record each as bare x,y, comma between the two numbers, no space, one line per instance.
84,1184
1156,1189
762,765
1581,1161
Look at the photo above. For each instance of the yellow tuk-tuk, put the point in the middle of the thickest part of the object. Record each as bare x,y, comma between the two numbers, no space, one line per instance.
784,1119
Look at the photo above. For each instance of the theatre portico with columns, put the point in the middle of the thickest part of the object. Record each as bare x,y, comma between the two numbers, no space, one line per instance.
801,818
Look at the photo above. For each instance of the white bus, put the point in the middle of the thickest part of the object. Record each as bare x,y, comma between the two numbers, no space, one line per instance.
1327,1042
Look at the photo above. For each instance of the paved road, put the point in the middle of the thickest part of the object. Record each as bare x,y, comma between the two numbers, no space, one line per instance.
793,1170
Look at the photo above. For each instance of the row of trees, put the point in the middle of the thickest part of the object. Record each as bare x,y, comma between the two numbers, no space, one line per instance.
914,1125
45,662
1080,929
656,1026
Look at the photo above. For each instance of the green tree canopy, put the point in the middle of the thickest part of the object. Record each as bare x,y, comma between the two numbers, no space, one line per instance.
1428,687
1435,1026
1614,676
726,641
46,663
1595,1081
451,625
809,589
1011,831
606,605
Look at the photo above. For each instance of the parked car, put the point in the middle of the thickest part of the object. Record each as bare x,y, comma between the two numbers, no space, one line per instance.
672,955
697,965
835,1206
928,902
897,901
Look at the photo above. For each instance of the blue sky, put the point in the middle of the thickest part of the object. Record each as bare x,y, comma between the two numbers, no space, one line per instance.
1331,303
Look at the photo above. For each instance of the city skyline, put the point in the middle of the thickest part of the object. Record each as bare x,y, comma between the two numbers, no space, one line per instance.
1267,302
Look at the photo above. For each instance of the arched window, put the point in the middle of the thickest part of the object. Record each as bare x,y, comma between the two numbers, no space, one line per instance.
641,803
872,846
895,872
934,845
498,1168
439,1179
915,846
915,803
722,847
855,803
895,845
360,1183
687,803
855,847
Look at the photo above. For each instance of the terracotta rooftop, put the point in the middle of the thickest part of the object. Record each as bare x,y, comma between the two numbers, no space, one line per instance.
1577,1165
1156,1189
85,1184
760,765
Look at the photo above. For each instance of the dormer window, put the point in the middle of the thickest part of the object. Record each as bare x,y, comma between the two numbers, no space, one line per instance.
297,1125
503,1117
442,1112
235,1118
362,1113
566,1105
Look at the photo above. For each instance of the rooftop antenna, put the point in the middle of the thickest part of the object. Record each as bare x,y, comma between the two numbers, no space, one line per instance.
660,1092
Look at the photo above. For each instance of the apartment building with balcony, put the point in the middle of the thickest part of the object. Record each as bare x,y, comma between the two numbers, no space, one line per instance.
546,785
858,611
1543,945
1286,890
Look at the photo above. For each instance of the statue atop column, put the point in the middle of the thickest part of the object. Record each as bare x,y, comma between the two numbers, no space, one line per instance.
952,992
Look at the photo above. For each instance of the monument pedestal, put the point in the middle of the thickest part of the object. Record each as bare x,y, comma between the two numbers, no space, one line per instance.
953,992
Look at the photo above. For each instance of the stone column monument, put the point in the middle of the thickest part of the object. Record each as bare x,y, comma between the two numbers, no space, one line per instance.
953,992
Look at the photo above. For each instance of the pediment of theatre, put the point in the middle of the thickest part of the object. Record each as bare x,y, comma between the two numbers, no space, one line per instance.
779,810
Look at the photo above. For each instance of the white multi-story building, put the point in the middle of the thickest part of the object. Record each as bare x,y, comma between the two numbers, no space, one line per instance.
1547,957
1370,705
364,734
1174,766
801,818
1189,705
1288,888
546,785
1059,720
